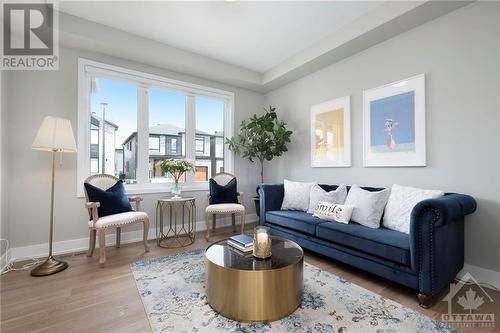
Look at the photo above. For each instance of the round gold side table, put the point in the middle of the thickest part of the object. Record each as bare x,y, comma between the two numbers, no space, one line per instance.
244,288
182,222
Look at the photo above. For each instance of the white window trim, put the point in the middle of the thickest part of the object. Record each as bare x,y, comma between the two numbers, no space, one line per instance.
89,68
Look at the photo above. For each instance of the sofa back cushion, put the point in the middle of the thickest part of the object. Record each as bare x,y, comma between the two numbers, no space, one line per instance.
401,203
297,195
318,194
368,206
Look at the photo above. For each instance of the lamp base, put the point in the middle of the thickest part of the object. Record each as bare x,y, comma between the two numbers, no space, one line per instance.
50,266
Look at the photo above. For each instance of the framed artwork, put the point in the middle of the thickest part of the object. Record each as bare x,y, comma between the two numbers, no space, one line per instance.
394,124
331,133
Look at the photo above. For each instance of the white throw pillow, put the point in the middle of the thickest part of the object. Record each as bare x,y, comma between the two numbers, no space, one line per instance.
333,212
318,194
401,202
296,195
368,206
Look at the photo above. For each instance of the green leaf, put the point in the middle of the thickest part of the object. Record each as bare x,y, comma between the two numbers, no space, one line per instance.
261,137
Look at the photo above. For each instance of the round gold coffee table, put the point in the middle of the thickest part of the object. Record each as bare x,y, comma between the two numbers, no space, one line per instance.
247,289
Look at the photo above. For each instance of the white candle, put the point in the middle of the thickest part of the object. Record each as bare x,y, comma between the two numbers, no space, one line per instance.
262,238
262,243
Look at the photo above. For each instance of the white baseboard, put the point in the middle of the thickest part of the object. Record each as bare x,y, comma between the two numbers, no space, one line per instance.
82,244
5,259
482,275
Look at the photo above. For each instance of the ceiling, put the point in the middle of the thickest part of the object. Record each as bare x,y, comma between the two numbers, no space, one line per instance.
255,45
254,35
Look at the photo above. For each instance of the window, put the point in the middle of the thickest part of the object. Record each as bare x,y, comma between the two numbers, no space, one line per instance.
219,148
94,146
201,173
200,146
167,118
94,166
210,137
154,144
94,134
113,121
173,146
133,121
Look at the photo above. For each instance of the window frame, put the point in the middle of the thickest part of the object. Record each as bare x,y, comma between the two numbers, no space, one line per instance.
154,136
172,151
200,139
88,69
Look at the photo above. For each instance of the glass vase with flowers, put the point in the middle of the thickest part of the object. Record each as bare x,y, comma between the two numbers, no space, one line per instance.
176,169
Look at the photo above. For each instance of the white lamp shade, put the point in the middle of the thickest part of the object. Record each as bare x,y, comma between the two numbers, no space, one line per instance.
55,134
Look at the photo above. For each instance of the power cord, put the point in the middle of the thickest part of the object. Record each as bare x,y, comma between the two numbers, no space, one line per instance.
10,264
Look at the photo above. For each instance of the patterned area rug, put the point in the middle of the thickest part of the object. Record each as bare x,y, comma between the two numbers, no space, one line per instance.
173,293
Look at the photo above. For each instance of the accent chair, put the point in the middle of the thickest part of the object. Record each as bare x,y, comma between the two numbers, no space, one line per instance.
225,208
100,225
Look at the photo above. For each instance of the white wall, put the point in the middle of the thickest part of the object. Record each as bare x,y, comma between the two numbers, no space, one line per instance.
459,53
35,94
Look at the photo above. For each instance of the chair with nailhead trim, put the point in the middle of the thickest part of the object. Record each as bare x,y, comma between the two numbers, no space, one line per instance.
99,225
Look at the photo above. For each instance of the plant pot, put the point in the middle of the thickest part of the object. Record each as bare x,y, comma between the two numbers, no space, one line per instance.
256,201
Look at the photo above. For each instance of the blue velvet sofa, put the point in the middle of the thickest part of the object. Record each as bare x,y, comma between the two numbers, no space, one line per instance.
426,260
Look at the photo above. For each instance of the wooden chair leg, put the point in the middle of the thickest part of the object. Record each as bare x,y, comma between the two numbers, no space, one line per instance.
425,300
91,242
145,235
118,236
242,222
233,221
101,234
207,236
214,218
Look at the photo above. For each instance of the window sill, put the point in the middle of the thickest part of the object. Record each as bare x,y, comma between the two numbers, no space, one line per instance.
134,189
164,188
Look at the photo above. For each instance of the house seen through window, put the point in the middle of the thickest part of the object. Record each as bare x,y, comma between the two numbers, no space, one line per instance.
115,136
113,119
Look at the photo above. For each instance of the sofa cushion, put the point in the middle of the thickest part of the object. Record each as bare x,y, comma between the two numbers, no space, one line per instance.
368,205
318,194
295,220
401,203
385,243
296,195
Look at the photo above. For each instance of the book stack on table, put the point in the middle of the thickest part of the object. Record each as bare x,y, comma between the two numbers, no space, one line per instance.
242,242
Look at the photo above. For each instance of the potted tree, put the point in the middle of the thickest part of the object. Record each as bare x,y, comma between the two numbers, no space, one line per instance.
261,138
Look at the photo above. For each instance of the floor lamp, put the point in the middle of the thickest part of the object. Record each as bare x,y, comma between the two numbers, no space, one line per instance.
55,135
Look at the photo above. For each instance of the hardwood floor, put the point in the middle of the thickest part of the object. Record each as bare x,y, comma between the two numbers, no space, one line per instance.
87,298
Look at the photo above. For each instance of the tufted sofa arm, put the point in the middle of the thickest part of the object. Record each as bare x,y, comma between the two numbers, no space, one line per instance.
437,240
446,209
271,198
